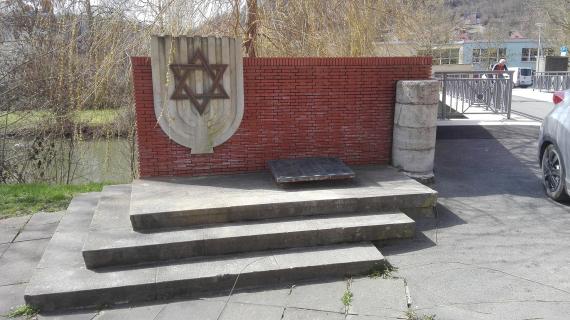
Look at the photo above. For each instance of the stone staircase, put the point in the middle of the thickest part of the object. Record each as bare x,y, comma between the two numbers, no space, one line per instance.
189,237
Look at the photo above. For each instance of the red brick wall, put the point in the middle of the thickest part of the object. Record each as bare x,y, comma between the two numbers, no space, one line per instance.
294,107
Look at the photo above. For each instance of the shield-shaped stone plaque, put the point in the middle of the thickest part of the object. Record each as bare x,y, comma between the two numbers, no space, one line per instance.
198,89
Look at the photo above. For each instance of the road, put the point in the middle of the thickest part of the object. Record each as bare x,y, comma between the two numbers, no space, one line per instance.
524,104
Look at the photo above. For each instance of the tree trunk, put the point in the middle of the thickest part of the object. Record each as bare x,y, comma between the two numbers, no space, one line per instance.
251,23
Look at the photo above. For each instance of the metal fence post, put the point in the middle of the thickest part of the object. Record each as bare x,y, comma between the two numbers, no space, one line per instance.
509,94
443,98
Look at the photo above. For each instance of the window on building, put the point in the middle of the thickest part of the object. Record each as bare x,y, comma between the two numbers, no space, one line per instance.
442,56
529,54
488,56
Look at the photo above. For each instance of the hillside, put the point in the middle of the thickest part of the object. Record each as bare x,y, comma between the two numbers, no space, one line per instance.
498,17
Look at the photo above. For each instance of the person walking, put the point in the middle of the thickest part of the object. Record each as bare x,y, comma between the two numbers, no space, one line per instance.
500,66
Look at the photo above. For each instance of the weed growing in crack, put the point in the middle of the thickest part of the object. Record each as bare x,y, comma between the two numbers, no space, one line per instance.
411,315
23,311
347,298
384,270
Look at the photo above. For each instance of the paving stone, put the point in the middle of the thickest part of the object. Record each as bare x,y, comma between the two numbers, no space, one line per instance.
133,313
11,296
74,315
3,248
191,310
379,297
268,297
36,232
242,311
319,296
211,310
45,218
10,227
302,314
18,262
15,222
366,317
8,234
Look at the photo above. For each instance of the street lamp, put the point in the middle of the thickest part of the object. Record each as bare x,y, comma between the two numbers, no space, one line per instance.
539,25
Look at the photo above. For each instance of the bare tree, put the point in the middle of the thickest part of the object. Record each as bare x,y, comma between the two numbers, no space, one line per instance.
252,22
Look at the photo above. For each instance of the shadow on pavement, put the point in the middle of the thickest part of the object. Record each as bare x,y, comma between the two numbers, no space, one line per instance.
474,161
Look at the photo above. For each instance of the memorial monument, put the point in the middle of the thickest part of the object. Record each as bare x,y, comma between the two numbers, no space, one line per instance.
206,214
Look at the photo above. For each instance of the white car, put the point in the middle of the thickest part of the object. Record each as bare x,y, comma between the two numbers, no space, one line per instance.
522,77
554,148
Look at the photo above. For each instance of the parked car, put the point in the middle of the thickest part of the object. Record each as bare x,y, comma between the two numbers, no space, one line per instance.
554,148
522,77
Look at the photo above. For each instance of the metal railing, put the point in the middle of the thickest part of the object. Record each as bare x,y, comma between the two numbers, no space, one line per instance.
475,92
551,81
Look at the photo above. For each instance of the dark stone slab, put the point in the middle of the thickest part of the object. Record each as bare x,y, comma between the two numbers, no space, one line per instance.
309,169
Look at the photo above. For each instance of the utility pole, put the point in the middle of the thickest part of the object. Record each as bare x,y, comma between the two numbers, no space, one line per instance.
539,25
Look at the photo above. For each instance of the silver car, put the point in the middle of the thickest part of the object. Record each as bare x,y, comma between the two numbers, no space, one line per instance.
554,148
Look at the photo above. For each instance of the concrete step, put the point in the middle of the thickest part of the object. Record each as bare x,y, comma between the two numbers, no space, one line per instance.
61,280
172,202
111,245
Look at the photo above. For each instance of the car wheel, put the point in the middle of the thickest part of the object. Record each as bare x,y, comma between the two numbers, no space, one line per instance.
553,175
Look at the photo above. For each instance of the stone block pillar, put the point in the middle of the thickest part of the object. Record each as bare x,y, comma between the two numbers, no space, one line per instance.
415,125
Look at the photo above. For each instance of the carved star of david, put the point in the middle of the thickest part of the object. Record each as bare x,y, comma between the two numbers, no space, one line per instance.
182,74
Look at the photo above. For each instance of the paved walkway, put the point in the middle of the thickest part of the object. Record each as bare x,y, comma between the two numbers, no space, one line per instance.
499,249
478,116
536,95
528,107
22,243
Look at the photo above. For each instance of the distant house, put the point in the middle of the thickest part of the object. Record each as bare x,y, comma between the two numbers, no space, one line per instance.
518,52
473,54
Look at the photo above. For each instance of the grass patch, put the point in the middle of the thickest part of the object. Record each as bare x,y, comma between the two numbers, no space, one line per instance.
23,311
97,117
411,315
21,199
384,270
27,119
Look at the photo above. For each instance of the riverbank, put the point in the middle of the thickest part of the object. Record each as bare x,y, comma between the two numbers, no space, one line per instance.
22,199
88,123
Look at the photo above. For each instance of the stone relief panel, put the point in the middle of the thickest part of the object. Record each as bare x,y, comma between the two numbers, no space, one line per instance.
198,89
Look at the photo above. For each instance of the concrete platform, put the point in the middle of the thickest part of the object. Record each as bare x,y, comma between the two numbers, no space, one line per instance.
175,202
228,227
111,241
61,280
